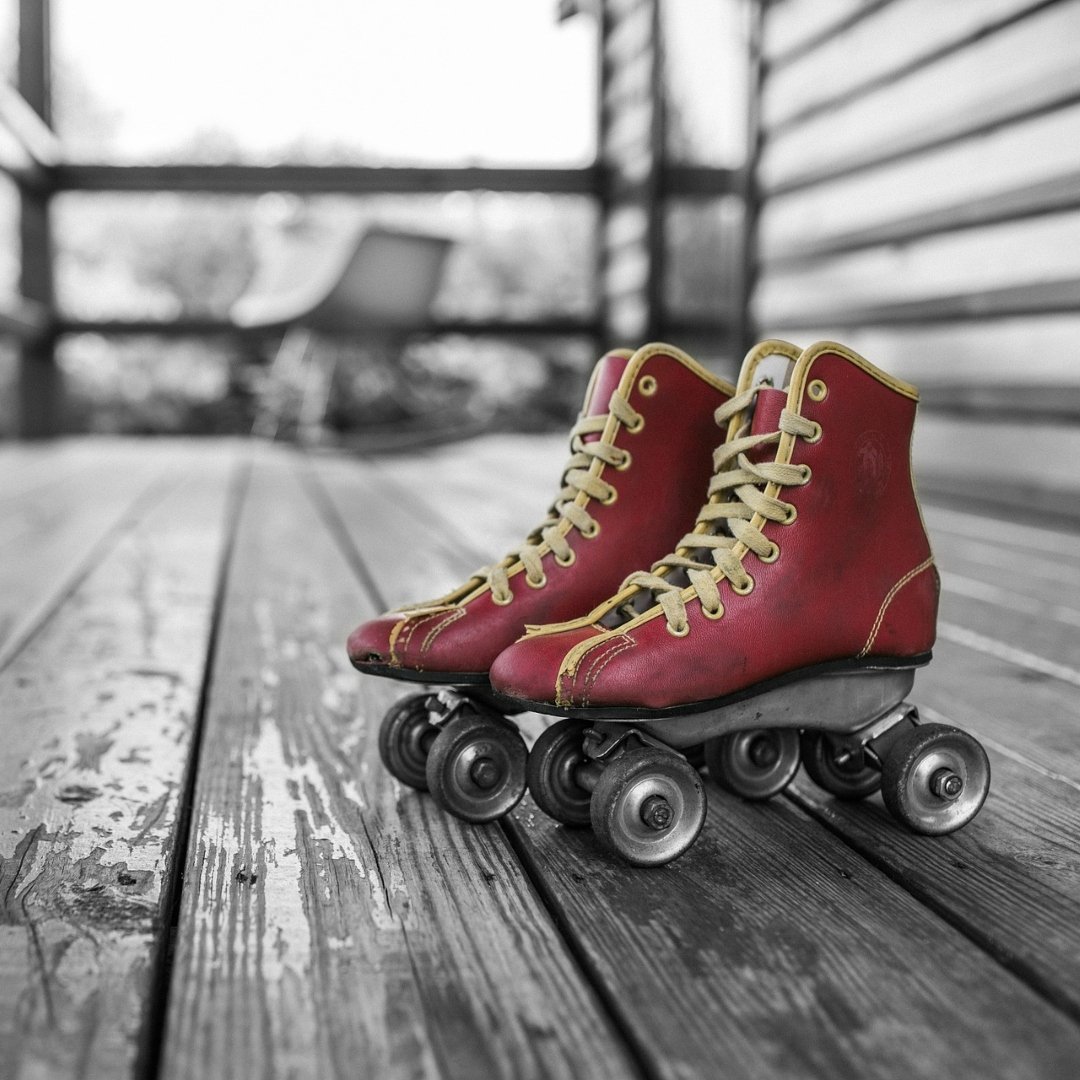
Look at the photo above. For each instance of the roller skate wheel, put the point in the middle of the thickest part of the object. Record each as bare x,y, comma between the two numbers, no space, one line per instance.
405,738
846,777
754,764
648,806
935,779
476,767
552,773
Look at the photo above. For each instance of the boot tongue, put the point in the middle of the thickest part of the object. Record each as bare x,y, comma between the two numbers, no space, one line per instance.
606,377
766,419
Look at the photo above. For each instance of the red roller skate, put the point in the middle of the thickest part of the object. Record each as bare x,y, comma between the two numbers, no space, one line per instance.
788,624
638,469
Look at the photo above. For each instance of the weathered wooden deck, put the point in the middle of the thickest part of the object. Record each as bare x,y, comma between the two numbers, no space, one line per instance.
205,871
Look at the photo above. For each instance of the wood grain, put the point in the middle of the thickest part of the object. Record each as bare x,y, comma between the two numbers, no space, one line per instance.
1033,73
333,923
461,508
1010,880
53,530
900,37
773,948
97,714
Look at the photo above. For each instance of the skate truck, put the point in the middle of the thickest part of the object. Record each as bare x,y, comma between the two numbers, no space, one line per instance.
645,800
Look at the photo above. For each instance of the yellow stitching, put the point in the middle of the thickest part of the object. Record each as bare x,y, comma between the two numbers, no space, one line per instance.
412,623
440,627
888,600
620,645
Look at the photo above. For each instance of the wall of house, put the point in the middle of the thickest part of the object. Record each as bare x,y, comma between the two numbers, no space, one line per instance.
918,178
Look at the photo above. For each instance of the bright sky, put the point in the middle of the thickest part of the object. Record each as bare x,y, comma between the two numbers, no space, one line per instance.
485,81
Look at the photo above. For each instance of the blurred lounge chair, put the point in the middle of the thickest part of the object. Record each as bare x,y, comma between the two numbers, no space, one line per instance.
376,286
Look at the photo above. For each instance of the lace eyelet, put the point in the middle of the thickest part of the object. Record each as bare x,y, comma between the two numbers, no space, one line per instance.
807,473
591,530
717,614
509,599
570,559
678,633
538,584
647,385
774,554
610,498
790,516
817,390
746,589
624,462
636,425
816,437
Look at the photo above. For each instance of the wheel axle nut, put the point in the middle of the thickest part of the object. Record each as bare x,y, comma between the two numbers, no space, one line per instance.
763,752
656,812
945,784
484,773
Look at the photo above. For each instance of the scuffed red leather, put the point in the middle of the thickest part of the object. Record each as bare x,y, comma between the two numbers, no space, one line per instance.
658,499
857,535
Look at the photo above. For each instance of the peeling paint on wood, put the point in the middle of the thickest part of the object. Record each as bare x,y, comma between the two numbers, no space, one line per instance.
96,716
333,924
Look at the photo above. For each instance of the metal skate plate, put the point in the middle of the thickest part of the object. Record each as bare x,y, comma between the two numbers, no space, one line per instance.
839,702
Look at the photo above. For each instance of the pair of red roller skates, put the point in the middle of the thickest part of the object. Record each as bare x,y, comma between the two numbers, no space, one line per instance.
785,627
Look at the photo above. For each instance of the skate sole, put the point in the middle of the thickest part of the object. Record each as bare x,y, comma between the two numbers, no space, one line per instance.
431,678
693,708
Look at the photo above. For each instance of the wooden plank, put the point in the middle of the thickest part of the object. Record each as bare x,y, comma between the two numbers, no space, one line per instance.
39,386
795,27
320,179
1039,298
97,715
1034,73
1008,401
191,326
1001,164
1017,709
901,38
35,136
1029,253
1010,880
772,948
1037,351
332,923
1037,459
1014,159
1052,196
23,319
53,533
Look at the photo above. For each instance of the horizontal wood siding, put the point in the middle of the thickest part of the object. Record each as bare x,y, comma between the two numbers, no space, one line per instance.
920,201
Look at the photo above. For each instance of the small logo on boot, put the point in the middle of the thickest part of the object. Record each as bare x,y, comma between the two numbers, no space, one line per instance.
871,464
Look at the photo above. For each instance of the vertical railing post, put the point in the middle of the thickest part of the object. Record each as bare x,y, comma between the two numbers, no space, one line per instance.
631,155
40,388
748,186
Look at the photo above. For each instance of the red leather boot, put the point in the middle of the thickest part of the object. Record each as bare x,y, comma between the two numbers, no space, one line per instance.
804,598
638,469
